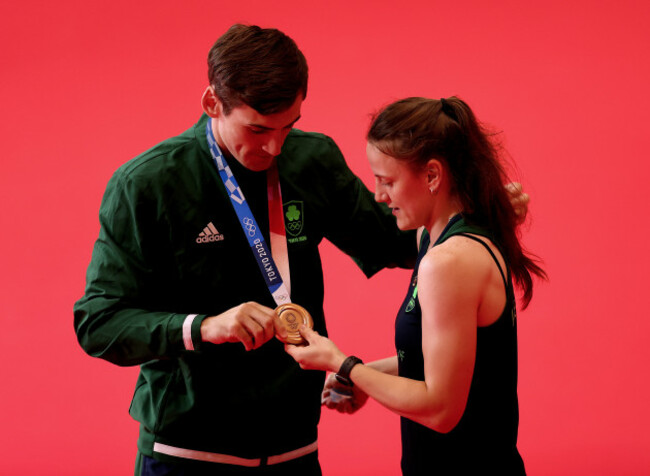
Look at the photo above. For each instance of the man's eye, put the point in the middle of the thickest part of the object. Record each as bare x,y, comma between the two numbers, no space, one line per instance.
257,131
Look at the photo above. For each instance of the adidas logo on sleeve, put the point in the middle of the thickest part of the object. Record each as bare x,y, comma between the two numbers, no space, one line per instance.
209,234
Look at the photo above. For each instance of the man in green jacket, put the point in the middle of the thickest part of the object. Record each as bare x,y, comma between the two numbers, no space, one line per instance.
183,282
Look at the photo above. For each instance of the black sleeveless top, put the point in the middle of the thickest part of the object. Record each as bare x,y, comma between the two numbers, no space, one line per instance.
485,439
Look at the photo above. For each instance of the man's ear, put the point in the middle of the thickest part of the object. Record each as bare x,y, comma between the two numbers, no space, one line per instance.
211,104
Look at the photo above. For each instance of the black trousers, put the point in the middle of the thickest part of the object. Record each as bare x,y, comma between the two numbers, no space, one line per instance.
307,465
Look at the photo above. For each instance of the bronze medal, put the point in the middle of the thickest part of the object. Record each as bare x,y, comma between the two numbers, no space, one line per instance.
292,316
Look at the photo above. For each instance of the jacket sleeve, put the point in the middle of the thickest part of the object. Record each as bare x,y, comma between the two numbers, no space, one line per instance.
361,227
121,317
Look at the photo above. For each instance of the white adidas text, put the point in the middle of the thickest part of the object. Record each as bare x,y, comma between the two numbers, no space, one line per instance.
209,234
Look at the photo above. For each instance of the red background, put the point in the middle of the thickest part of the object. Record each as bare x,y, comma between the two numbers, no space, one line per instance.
88,85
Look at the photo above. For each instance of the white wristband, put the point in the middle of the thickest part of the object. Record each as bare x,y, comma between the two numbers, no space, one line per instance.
187,331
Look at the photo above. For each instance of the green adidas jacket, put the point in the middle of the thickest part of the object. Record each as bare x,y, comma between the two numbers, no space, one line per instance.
170,245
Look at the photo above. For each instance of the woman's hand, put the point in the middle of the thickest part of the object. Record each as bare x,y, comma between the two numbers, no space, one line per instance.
320,353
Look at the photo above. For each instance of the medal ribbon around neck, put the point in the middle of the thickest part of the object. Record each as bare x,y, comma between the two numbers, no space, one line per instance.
266,261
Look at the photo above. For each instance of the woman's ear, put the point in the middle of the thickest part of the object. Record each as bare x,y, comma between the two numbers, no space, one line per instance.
433,175
211,104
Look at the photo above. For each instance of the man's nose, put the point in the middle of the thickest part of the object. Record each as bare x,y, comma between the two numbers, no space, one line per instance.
274,144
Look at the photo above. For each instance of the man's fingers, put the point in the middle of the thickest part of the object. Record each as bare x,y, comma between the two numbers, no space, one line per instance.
241,334
279,329
520,206
259,322
521,203
250,323
324,396
518,200
514,188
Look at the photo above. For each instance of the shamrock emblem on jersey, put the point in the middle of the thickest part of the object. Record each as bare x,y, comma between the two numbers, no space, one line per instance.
293,212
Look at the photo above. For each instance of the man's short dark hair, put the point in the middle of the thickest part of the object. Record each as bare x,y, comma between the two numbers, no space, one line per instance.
260,67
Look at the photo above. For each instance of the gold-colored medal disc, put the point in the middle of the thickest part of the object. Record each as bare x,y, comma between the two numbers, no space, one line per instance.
292,316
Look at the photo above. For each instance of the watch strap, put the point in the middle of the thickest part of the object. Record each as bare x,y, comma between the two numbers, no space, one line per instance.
343,375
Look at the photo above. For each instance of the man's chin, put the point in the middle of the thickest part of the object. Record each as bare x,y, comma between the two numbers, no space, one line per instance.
258,164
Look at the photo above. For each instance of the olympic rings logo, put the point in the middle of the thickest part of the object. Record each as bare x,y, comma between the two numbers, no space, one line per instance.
250,226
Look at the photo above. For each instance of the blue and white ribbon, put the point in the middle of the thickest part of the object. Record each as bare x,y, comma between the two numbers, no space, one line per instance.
260,250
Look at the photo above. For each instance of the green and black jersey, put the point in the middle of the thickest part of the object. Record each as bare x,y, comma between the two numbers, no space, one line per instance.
171,245
485,439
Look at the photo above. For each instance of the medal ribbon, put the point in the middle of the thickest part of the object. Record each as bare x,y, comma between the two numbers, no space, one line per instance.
277,232
265,259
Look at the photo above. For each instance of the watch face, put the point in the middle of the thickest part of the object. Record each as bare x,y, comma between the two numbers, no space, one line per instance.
292,316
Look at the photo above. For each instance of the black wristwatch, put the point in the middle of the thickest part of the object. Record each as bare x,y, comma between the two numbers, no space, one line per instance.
343,375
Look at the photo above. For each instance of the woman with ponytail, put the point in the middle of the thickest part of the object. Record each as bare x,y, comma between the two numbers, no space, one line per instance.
454,378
